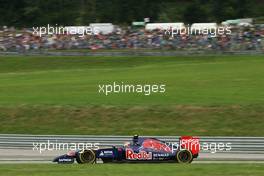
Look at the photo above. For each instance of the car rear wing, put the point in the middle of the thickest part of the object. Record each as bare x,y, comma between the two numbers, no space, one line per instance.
190,143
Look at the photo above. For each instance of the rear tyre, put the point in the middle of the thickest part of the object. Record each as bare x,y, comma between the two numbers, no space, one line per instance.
86,157
184,156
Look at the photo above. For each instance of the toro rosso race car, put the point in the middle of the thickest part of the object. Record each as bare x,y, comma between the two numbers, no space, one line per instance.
139,150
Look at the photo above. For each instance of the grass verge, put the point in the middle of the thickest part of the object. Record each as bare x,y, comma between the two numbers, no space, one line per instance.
132,169
147,120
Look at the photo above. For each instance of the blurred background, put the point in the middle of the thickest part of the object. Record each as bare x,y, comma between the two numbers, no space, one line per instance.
27,13
124,24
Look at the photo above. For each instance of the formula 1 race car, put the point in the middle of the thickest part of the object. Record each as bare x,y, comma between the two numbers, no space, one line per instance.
139,150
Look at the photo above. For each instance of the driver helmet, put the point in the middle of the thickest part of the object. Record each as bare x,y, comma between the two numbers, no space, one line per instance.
135,139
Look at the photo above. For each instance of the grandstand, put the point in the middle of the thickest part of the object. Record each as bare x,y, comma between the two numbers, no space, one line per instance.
152,37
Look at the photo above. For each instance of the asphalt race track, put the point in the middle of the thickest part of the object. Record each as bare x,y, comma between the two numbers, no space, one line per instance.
30,156
19,149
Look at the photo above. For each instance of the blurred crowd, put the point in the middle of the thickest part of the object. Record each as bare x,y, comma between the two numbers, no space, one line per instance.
241,39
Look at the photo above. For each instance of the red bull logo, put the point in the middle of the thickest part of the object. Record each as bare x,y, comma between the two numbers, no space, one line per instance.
142,155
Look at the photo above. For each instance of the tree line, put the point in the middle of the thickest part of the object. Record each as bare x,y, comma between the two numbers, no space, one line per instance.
24,13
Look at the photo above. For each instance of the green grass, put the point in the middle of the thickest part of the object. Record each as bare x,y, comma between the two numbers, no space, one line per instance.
74,80
153,120
205,95
133,169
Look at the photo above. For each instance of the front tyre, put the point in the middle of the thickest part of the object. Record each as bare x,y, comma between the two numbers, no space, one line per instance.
86,157
184,156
